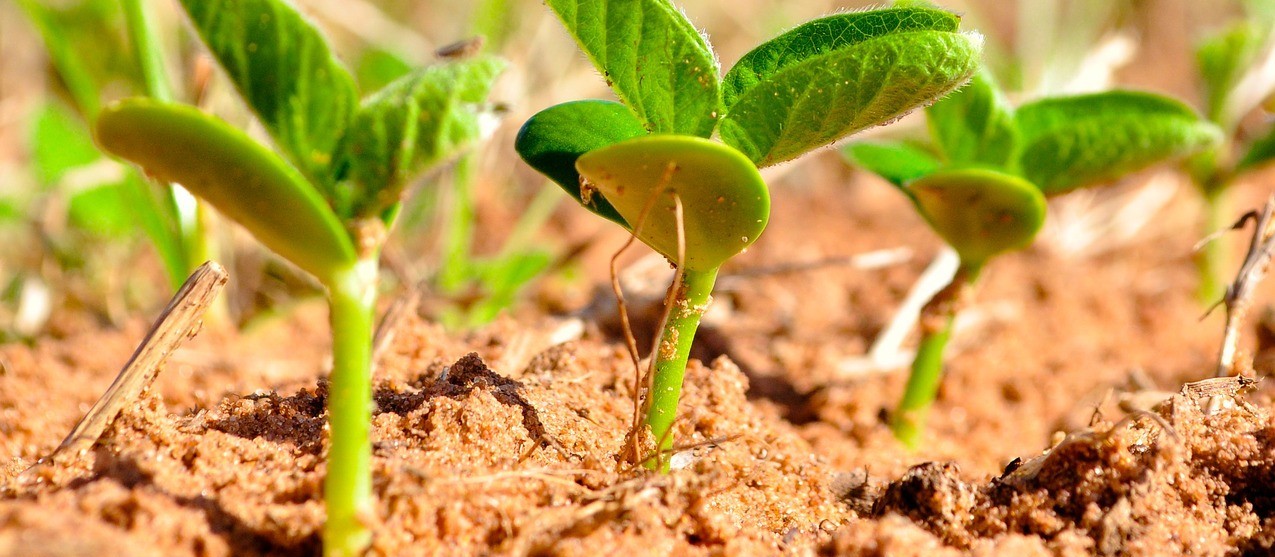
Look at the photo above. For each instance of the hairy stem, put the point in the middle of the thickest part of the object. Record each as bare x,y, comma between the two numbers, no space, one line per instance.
347,490
1210,262
908,421
690,302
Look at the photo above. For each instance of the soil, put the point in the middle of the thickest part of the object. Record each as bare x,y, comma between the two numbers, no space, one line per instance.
1056,432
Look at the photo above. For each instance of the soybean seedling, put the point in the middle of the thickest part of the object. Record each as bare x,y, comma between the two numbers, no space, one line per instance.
984,189
648,165
325,200
1237,69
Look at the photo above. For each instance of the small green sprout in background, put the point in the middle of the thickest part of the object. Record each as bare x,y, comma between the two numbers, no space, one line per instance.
1235,69
984,191
327,203
648,165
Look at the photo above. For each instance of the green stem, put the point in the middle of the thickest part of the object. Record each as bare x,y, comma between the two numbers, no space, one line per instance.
1211,261
187,212
923,385
908,422
689,303
347,490
141,31
459,234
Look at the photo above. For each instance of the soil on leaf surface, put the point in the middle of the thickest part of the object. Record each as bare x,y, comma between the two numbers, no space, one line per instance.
1057,431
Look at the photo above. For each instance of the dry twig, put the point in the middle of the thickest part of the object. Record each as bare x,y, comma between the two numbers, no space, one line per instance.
1239,294
179,321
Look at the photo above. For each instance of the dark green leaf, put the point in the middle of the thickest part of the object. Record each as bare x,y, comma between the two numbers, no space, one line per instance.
1072,142
656,61
834,76
244,180
59,142
895,161
980,213
725,202
413,123
974,125
554,138
1260,152
282,66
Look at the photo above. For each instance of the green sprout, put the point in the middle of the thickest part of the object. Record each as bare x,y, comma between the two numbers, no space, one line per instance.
648,164
984,190
327,203
1235,69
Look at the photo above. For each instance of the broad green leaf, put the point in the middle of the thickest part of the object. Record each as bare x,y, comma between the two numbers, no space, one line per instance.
1260,152
555,137
411,124
244,180
102,210
834,76
895,161
980,213
283,68
656,61
725,202
974,125
1223,59
59,142
1071,142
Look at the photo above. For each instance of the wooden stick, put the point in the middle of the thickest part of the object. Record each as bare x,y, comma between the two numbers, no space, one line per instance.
178,322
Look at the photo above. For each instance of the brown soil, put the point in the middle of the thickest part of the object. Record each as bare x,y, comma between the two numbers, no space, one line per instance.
515,450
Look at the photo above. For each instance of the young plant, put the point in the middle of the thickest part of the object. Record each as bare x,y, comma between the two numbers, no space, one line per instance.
648,165
1237,68
327,203
984,189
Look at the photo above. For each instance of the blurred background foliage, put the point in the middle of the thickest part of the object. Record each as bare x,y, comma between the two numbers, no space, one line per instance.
483,235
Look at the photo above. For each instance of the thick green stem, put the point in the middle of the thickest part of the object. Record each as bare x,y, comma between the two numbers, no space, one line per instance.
689,303
347,490
908,421
923,385
1210,262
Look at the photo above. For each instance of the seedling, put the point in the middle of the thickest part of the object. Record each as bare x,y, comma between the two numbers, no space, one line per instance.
648,165
327,203
1237,68
984,189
